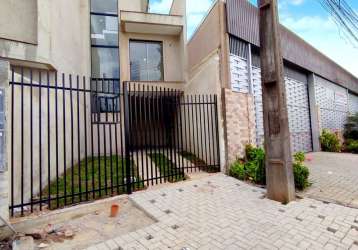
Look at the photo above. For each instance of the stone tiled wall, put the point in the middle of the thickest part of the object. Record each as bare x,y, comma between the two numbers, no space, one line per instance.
240,122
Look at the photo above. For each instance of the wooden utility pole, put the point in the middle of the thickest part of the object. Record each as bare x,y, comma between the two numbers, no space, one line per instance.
279,172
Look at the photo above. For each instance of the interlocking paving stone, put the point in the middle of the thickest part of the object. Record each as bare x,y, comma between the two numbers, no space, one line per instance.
334,178
217,214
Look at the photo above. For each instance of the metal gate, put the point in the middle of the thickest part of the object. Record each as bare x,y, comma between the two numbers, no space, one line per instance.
169,133
75,139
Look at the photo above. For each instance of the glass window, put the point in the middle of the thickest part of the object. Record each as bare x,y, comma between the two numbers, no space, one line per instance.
146,61
104,6
104,30
105,62
105,54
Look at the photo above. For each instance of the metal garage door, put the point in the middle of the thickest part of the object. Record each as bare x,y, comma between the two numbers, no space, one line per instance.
298,109
333,104
353,103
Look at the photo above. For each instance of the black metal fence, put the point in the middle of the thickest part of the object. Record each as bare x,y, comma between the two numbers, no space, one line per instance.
76,139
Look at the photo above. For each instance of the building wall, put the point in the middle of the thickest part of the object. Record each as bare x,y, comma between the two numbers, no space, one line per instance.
205,79
243,22
64,45
204,50
206,39
172,60
62,36
19,20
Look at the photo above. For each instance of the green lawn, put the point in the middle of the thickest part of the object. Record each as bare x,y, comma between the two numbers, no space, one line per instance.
167,168
198,163
99,181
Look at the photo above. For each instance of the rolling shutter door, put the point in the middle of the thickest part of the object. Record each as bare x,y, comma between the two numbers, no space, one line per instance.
298,110
333,104
353,103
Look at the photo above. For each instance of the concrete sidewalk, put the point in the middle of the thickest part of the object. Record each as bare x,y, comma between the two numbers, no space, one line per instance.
220,212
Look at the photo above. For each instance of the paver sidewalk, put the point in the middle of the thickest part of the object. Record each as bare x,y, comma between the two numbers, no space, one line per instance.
334,177
220,212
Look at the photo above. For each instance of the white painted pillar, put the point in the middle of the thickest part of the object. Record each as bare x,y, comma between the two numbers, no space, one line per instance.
4,148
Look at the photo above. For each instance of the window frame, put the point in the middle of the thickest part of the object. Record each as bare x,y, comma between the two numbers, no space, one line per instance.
100,96
162,57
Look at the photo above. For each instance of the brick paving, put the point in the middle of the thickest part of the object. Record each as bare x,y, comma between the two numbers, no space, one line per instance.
334,177
220,212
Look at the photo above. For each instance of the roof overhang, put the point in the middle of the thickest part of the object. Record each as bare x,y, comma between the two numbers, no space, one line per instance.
148,23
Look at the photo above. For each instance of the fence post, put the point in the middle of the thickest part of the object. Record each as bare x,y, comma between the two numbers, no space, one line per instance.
126,138
4,145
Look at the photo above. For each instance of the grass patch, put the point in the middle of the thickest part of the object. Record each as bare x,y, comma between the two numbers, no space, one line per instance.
167,168
198,163
99,180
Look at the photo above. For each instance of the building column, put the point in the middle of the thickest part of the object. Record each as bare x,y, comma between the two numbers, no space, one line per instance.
314,111
4,149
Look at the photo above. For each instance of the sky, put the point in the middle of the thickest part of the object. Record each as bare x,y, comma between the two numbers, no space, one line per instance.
306,18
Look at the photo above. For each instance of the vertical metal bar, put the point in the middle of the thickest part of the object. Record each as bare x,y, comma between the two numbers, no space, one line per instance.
72,151
127,139
201,149
121,114
79,139
167,139
92,143
40,140
105,144
12,141
205,120
173,143
48,143
64,137
56,140
31,144
131,96
146,111
197,150
156,129
189,135
98,120
145,106
217,130
186,138
180,134
176,133
150,127
141,128
163,130
208,121
110,142
22,141
110,155
212,106
116,143
135,126
85,130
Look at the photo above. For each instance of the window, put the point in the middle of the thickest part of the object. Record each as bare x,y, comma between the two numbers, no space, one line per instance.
104,54
146,60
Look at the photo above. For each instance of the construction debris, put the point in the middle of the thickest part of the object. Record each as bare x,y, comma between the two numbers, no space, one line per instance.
23,243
